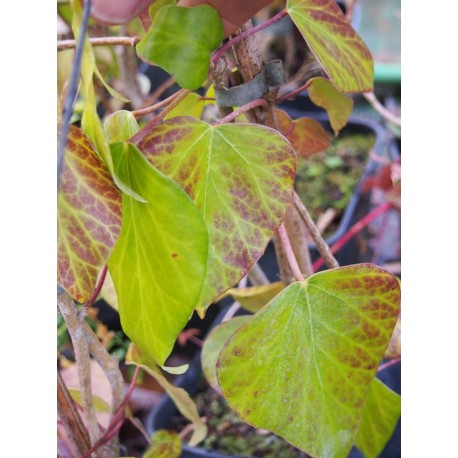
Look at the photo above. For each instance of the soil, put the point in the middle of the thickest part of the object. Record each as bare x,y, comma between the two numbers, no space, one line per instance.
228,433
328,179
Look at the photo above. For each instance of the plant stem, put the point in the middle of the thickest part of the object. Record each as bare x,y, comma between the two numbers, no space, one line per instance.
75,326
379,108
110,366
157,106
243,109
141,134
117,420
98,287
70,417
321,245
167,84
72,89
251,31
388,364
361,224
289,253
257,276
100,41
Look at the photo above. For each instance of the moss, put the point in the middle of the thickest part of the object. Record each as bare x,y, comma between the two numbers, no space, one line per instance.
328,179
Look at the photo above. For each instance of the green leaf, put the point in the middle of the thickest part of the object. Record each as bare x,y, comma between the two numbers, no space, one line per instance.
241,178
113,92
303,365
338,106
88,216
100,405
180,40
178,395
306,135
164,444
254,298
213,345
158,4
191,105
381,414
335,44
120,126
158,263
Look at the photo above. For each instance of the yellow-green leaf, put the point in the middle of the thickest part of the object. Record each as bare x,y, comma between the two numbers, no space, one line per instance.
338,106
213,345
178,395
164,444
302,366
337,47
159,262
241,178
120,126
191,105
100,405
381,414
88,216
254,298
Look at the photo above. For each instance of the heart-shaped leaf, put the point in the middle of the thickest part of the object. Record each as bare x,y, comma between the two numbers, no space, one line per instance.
303,365
120,126
338,106
158,264
335,44
213,345
381,414
241,178
181,40
88,216
306,135
178,395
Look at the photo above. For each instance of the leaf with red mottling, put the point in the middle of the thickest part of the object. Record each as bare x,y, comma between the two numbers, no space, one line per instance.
303,365
164,444
158,264
306,135
241,178
381,414
88,216
337,47
338,106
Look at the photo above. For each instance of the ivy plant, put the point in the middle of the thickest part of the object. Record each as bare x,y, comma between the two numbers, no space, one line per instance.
176,201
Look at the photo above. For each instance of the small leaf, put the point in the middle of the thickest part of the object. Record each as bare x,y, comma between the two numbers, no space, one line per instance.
254,298
381,414
191,105
213,345
338,106
178,395
176,370
306,135
100,405
120,126
335,44
394,347
303,365
180,40
164,444
88,216
241,178
113,92
158,263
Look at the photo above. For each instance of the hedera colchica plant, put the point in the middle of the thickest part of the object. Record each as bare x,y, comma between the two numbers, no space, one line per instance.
179,208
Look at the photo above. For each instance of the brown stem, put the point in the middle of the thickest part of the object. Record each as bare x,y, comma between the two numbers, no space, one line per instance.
247,107
379,108
257,276
70,417
75,326
290,253
157,106
140,135
167,84
100,41
321,245
110,366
